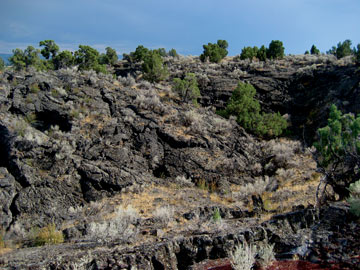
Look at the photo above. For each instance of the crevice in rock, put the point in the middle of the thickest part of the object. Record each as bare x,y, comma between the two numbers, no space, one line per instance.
46,119
161,172
156,264
14,211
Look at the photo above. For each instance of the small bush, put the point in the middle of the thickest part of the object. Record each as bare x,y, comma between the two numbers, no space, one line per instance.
354,199
164,214
216,215
2,64
243,258
47,235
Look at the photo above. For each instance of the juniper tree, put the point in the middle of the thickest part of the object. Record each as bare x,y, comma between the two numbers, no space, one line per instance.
187,88
338,150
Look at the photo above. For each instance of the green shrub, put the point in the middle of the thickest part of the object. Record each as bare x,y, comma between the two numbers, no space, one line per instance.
64,59
187,88
50,48
276,50
173,53
249,53
354,199
246,108
314,50
214,52
2,64
261,54
153,67
23,59
357,54
88,58
216,215
338,149
343,49
109,58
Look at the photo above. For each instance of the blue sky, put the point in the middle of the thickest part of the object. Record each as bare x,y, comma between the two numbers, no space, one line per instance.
183,24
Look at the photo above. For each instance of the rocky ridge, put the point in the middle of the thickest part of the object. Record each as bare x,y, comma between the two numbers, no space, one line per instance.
76,147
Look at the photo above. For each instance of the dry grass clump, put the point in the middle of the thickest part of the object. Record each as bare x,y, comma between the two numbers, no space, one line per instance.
149,100
47,235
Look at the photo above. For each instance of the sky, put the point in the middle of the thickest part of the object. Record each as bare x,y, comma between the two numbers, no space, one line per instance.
183,24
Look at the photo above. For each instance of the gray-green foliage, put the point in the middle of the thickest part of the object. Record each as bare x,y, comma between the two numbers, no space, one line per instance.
215,52
354,199
187,88
247,110
154,69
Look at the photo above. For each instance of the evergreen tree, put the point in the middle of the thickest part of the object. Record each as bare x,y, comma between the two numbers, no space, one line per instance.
2,64
63,60
50,48
246,108
214,52
338,149
249,53
344,49
88,58
261,54
187,88
276,50
153,67
314,50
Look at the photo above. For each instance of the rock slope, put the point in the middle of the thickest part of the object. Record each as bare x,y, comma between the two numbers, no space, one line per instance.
132,176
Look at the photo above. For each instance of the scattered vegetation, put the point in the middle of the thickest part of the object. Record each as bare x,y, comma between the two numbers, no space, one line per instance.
342,49
246,108
214,52
275,51
187,88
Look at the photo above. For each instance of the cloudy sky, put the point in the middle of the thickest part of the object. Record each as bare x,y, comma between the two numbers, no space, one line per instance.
183,24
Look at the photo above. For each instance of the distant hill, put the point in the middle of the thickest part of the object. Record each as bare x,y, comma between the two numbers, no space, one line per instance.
5,57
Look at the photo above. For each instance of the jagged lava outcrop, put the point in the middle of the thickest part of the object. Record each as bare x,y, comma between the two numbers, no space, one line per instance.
75,146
